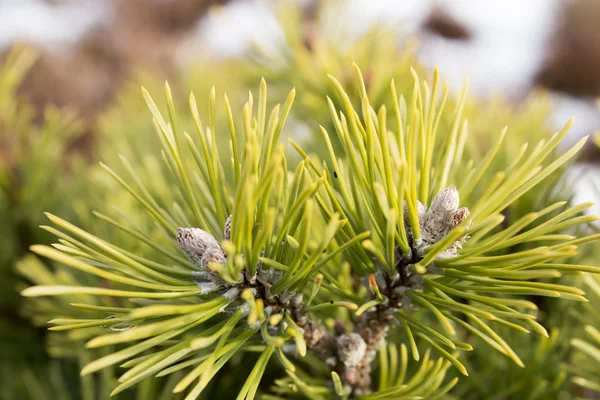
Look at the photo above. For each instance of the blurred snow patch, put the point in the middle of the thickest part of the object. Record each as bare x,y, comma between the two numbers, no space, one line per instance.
587,185
231,31
46,24
507,45
360,16
585,111
508,42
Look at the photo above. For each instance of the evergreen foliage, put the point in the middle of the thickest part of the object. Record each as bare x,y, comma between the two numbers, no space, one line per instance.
317,266
410,246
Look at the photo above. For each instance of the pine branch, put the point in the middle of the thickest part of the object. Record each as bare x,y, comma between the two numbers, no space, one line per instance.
275,257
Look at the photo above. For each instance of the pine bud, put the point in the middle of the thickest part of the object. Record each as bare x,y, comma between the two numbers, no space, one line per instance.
446,200
420,211
213,255
202,249
443,216
351,348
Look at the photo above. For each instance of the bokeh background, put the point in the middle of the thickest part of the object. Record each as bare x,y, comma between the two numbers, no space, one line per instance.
92,55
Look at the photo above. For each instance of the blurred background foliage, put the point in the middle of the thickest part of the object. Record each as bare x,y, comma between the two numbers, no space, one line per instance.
35,173
49,162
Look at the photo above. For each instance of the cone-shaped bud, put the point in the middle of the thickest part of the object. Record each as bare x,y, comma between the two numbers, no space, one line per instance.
202,249
443,216
351,348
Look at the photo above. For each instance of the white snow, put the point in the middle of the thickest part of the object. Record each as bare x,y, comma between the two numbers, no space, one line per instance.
49,25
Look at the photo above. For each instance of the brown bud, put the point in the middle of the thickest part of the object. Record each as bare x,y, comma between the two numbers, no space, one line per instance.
459,215
339,327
